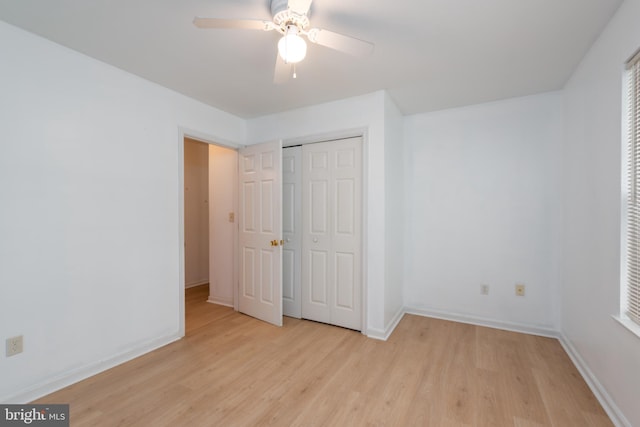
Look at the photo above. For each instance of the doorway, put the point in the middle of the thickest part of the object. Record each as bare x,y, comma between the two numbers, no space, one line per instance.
347,263
210,232
196,213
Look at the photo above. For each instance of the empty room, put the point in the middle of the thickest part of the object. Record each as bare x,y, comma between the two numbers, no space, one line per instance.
318,212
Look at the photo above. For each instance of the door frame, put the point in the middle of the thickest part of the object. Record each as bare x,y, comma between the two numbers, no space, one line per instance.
183,133
344,134
286,142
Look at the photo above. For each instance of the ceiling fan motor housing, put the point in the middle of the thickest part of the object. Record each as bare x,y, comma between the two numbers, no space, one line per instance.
283,16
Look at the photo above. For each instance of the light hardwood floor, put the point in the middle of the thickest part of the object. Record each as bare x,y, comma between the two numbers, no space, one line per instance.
233,370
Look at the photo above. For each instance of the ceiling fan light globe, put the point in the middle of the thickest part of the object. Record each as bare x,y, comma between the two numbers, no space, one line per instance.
292,48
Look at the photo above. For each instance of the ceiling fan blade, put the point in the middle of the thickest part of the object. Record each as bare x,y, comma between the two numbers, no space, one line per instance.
244,24
346,44
282,72
300,7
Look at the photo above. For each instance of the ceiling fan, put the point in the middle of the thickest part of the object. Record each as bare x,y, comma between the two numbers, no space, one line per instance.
290,18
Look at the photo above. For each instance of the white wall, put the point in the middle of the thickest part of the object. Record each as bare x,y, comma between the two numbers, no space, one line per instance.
196,212
223,178
89,210
395,212
90,207
360,113
483,207
592,200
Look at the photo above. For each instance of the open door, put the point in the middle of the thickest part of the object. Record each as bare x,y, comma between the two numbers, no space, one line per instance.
260,222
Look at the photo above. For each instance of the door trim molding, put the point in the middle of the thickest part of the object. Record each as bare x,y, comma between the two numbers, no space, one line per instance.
325,137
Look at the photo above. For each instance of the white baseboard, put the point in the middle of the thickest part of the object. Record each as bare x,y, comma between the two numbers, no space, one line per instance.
194,284
610,407
67,378
384,335
227,302
481,321
462,318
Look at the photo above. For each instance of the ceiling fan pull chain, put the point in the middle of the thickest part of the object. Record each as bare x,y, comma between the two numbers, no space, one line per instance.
294,71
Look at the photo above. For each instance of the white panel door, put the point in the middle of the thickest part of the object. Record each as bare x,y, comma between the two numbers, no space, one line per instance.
291,230
332,232
260,222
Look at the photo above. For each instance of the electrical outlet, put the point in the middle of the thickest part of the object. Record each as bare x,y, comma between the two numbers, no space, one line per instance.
484,289
14,345
519,290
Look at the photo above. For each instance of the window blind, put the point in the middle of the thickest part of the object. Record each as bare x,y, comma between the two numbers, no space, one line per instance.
633,202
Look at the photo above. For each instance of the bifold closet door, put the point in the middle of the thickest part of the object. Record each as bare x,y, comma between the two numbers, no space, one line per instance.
332,232
291,231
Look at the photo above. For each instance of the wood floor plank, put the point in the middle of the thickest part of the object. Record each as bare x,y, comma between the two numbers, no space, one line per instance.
234,370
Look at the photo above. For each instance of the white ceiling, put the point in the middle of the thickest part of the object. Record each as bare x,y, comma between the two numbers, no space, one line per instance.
429,54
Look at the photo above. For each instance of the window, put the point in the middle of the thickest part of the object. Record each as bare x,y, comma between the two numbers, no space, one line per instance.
631,298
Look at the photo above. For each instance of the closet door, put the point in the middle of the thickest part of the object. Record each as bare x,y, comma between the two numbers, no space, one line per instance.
332,232
291,230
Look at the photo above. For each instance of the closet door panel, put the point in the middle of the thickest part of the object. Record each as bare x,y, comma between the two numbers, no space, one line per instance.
332,236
